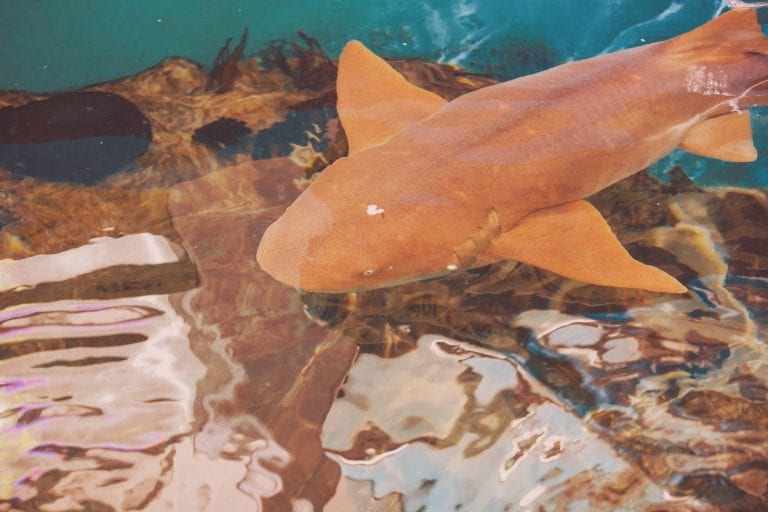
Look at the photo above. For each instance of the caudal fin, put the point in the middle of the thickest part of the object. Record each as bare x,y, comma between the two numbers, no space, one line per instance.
727,56
733,33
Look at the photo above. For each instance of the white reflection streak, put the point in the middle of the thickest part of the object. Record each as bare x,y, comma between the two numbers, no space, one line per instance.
102,252
518,454
258,482
142,399
733,4
66,319
368,462
219,346
531,496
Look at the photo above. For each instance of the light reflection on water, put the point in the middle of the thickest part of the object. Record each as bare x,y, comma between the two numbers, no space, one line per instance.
118,396
500,442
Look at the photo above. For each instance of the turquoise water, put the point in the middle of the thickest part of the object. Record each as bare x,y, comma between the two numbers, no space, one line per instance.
60,44
55,45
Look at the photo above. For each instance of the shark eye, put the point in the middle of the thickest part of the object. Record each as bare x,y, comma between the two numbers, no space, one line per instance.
369,272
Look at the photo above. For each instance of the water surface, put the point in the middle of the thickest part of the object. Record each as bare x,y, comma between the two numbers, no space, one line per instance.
147,363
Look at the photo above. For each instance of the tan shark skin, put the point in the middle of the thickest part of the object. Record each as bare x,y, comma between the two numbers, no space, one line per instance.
502,172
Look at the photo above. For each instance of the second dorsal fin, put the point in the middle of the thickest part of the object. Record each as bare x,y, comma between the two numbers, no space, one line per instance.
727,137
374,100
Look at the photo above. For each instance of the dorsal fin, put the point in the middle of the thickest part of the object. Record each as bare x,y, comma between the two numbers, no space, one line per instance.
727,137
374,100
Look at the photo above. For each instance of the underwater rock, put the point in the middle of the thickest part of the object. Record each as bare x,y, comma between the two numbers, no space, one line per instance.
79,137
6,217
725,412
93,211
446,81
647,208
741,217
221,133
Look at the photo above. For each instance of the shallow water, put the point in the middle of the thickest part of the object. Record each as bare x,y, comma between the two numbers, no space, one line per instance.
147,363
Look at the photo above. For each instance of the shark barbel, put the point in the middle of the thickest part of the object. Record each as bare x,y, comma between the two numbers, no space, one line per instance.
431,187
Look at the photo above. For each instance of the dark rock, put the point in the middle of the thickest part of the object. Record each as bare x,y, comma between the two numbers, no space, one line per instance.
79,137
221,133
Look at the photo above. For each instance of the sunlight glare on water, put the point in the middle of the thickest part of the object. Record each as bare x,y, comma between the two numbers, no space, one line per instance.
740,3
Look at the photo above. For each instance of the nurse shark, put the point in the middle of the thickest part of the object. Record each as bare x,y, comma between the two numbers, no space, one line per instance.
431,187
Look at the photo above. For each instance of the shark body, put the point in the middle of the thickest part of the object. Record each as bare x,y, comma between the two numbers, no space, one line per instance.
431,187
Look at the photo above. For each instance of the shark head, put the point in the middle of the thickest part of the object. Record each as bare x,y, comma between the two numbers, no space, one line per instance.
337,243
339,236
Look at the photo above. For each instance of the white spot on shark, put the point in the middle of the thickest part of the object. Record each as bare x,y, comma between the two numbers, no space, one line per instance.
708,83
374,210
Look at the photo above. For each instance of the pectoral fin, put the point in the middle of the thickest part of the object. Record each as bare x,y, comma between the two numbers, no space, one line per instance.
374,100
727,137
574,240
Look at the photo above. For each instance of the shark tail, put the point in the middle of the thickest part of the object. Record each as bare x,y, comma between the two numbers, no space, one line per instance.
725,38
728,55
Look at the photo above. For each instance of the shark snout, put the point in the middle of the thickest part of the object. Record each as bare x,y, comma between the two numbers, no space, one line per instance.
294,248
277,256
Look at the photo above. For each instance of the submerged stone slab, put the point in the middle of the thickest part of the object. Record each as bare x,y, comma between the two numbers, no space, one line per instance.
78,137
